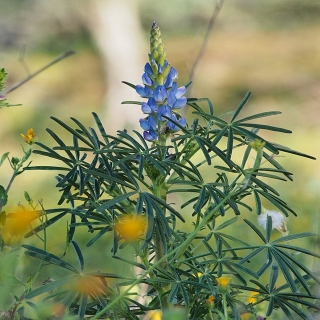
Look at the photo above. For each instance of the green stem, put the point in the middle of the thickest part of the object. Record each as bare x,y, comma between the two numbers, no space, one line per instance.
225,310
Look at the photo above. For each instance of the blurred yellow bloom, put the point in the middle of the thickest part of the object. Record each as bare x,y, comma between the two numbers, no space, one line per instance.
17,225
223,282
223,285
252,298
87,285
155,315
30,137
210,299
131,227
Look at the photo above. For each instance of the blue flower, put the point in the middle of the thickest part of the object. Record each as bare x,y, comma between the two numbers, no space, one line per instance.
176,100
172,126
162,92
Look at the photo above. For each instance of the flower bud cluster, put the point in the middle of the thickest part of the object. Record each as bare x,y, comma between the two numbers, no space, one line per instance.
161,90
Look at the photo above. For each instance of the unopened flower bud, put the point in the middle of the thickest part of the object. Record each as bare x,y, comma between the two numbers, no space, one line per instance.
157,49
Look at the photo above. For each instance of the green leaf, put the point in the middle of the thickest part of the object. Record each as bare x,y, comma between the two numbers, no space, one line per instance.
241,105
79,254
129,84
110,203
49,287
3,196
48,257
257,116
288,150
3,158
99,235
263,126
100,127
74,132
230,143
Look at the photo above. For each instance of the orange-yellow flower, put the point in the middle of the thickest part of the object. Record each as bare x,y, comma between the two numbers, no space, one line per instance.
131,227
252,298
17,224
155,315
223,282
223,285
30,137
210,299
87,285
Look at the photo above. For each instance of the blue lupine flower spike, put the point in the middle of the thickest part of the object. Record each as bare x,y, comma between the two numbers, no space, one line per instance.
162,92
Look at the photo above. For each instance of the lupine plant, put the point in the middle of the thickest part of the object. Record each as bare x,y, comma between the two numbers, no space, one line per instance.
147,189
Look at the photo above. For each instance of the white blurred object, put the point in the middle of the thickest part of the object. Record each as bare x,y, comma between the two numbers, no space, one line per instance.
278,220
117,31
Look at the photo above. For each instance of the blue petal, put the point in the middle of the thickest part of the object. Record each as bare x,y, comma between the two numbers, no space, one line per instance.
144,124
182,122
140,90
146,108
173,73
160,93
180,92
171,99
147,80
144,92
148,69
181,102
164,110
153,123
153,104
168,82
150,136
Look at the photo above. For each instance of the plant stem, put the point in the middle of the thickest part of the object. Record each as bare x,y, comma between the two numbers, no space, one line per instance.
225,310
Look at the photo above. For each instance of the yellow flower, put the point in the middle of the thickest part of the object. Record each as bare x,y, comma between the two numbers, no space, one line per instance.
252,298
223,282
131,227
155,315
30,137
257,144
210,299
17,224
87,285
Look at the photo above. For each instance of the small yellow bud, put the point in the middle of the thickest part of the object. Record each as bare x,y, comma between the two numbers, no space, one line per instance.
30,137
257,144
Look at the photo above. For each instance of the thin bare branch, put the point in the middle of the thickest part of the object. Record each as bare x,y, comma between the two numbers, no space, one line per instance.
213,18
29,77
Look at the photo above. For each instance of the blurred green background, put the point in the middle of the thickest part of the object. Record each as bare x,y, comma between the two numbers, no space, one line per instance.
269,47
